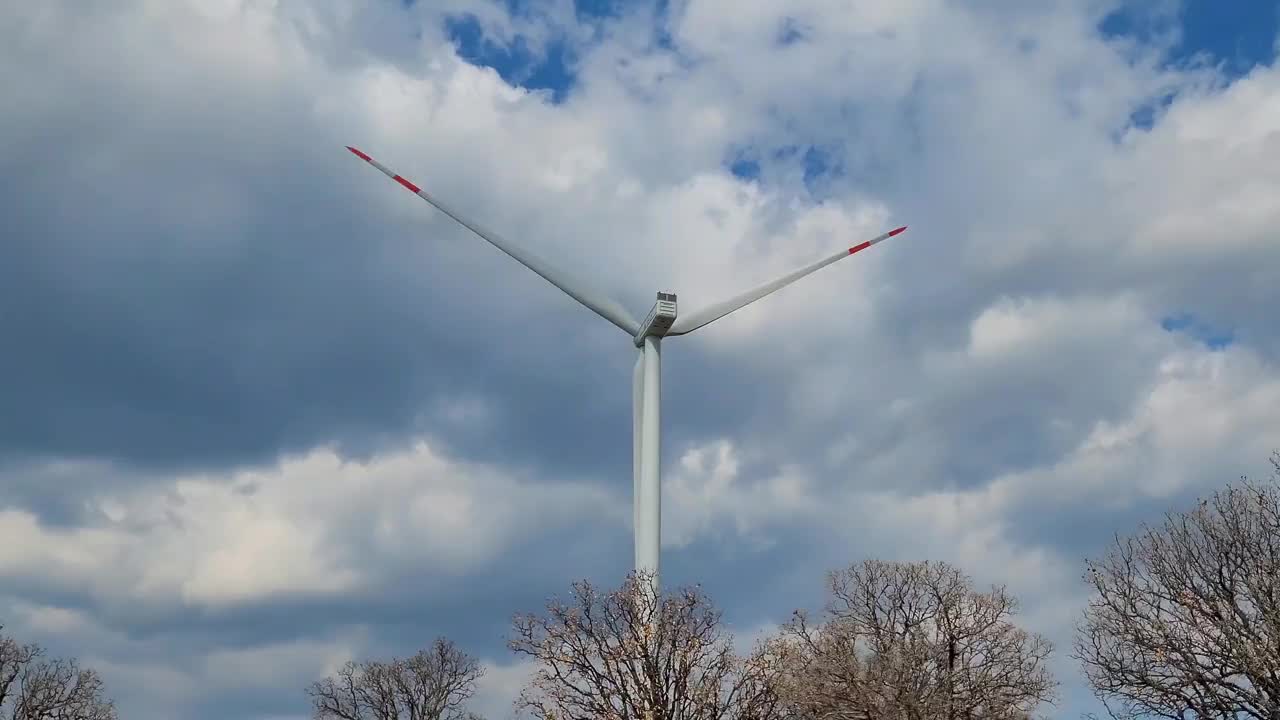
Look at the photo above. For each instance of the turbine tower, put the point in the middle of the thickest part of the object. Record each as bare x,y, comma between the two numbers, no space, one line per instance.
647,336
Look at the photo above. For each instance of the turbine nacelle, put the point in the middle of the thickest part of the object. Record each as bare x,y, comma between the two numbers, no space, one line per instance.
660,318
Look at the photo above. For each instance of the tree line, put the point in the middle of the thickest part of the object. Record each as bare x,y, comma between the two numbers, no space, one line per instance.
1183,622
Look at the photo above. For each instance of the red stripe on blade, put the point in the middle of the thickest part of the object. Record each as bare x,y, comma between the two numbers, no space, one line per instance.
856,248
412,188
895,232
359,154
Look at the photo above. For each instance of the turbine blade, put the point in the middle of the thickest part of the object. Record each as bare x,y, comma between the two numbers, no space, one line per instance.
685,324
590,297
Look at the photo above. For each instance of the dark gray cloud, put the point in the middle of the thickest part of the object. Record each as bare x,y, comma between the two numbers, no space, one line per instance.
157,332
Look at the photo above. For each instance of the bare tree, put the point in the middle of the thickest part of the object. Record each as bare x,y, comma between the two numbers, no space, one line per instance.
628,654
910,641
1185,620
33,687
434,684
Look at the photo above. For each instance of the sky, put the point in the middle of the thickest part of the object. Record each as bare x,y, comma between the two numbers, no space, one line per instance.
264,412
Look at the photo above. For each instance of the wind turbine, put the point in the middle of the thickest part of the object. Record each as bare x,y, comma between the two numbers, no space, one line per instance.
647,336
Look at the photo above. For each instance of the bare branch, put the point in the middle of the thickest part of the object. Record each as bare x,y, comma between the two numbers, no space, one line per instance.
627,654
912,641
434,684
1185,619
35,688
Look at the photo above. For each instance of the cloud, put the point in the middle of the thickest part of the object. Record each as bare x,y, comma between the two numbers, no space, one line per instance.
318,524
1201,407
706,491
264,408
499,687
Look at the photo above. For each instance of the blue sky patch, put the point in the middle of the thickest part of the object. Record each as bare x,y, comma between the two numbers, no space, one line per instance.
584,9
1238,34
1241,33
517,63
597,9
744,167
1188,324
1145,116
816,163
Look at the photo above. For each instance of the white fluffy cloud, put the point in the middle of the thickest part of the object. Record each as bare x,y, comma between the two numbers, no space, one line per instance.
704,493
1205,417
317,524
